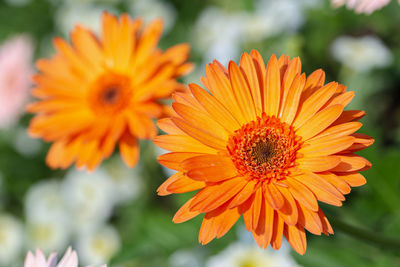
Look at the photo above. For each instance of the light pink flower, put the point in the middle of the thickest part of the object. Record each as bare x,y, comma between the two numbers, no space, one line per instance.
70,259
362,6
15,78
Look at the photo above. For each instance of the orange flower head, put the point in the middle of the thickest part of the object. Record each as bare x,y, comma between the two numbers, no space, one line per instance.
104,90
267,143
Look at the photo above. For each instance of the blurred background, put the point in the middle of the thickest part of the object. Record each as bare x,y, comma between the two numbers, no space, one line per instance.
113,214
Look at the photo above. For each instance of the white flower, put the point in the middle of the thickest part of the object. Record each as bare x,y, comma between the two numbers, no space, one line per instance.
220,39
85,14
125,181
89,198
45,202
48,234
361,54
151,9
241,254
99,245
11,239
185,258
272,17
70,259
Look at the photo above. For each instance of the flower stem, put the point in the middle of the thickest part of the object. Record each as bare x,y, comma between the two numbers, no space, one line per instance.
363,234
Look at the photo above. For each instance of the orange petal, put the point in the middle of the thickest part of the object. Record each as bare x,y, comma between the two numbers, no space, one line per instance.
319,122
179,183
323,147
141,126
209,168
214,196
184,213
313,104
314,81
200,134
338,131
293,70
183,184
353,179
310,220
343,99
251,210
250,72
318,164
201,120
291,104
273,196
349,115
326,226
337,182
350,162
220,87
260,69
263,233
296,237
243,195
169,127
277,236
217,223
242,92
361,141
174,159
323,190
181,143
302,194
272,90
129,150
218,111
288,212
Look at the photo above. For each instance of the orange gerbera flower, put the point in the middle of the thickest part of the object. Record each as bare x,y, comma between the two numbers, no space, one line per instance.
267,143
104,90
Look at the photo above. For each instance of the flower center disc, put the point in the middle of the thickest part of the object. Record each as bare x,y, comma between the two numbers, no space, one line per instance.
264,149
109,94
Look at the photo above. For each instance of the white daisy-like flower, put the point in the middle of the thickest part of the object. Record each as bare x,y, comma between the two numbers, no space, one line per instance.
11,239
361,53
47,234
208,37
185,258
98,245
125,181
84,13
250,255
151,9
90,198
44,201
272,17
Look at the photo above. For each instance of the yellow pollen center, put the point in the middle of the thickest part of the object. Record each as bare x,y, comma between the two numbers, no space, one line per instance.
262,152
264,149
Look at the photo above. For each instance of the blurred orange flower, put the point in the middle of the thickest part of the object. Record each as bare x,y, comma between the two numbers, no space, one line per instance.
267,143
104,90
